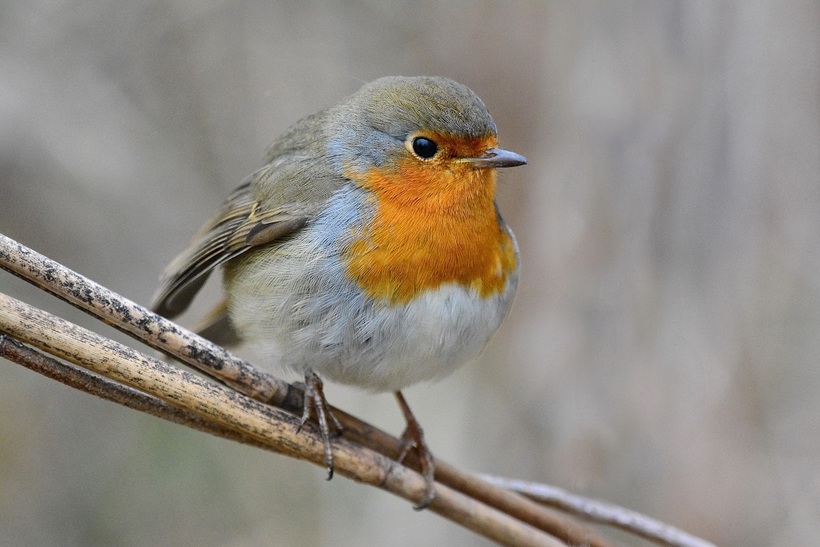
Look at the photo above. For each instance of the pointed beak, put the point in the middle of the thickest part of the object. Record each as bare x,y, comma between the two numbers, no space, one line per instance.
496,157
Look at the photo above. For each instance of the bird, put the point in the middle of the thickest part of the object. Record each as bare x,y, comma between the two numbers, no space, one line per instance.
368,250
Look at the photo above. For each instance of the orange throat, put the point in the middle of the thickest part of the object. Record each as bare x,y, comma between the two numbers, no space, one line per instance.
433,225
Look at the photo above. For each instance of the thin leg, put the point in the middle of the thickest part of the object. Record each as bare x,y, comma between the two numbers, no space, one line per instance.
413,437
315,399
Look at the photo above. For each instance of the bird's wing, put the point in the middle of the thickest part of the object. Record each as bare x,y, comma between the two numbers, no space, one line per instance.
242,223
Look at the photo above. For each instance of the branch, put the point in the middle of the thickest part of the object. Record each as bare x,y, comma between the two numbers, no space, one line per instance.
263,423
164,335
364,453
142,324
100,386
601,512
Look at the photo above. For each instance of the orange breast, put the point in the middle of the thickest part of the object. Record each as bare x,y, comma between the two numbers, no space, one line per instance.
435,223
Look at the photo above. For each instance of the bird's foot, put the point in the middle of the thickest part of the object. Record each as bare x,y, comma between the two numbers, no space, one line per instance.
315,401
413,438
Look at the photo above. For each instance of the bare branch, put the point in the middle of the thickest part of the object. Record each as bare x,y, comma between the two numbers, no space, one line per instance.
268,425
601,512
141,323
166,336
490,506
100,386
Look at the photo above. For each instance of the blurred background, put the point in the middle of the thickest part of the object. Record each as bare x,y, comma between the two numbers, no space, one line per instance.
662,353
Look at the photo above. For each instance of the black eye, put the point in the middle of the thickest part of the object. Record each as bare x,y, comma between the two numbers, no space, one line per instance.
424,147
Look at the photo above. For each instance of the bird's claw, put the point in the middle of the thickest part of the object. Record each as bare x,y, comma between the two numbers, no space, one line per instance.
315,401
413,437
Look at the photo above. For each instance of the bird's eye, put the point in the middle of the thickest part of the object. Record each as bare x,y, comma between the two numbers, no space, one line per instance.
424,147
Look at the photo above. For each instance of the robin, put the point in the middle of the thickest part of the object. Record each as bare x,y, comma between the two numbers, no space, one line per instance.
369,249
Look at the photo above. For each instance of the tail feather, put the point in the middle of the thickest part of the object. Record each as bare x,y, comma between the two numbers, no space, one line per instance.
216,326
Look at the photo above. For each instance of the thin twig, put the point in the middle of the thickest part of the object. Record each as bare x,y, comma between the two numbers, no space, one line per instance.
142,324
266,424
166,336
100,386
601,512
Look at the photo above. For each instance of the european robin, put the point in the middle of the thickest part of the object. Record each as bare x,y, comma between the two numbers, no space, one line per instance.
369,249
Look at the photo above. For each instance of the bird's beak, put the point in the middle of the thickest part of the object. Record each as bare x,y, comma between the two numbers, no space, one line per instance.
496,157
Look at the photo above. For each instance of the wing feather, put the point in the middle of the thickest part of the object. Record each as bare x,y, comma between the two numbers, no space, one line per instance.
241,224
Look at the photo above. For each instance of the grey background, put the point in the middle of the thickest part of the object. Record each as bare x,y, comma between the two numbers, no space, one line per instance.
662,353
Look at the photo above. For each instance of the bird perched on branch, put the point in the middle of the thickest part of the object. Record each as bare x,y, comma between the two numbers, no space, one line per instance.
368,250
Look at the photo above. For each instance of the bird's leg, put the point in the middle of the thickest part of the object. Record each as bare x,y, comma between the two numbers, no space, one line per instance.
315,399
413,437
